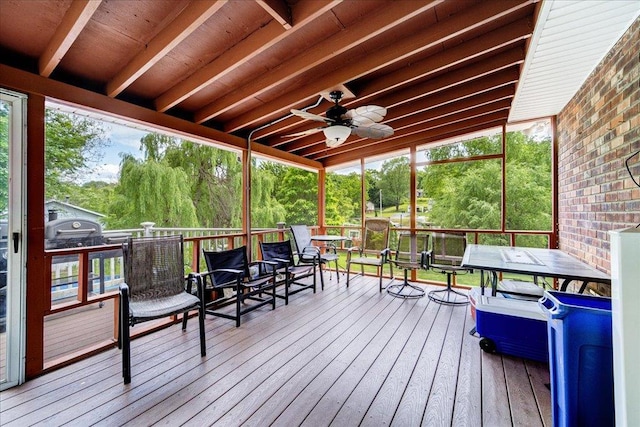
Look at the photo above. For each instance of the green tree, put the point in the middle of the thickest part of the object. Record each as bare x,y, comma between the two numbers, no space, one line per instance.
394,181
71,143
342,200
298,192
94,195
467,194
266,209
151,191
215,177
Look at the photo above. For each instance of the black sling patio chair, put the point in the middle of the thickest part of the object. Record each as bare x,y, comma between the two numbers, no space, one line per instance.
230,270
282,255
311,254
374,250
154,288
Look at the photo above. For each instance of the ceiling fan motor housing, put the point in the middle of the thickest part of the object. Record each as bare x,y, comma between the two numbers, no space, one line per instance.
336,113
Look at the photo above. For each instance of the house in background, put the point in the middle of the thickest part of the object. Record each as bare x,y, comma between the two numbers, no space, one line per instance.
55,209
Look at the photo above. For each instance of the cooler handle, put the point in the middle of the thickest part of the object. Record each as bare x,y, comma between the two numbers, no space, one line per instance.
551,305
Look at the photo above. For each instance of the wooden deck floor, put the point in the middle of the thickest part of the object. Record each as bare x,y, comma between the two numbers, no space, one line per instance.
341,357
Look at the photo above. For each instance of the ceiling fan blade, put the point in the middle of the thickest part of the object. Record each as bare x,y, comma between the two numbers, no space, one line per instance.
374,131
310,116
371,113
303,133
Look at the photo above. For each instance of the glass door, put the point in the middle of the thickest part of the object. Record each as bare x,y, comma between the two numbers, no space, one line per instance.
12,136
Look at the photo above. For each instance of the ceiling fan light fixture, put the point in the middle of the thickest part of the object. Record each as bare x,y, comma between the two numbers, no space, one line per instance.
336,134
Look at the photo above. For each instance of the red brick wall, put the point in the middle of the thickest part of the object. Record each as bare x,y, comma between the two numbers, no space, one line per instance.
597,130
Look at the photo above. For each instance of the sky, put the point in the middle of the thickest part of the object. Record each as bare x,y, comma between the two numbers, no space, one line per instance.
122,139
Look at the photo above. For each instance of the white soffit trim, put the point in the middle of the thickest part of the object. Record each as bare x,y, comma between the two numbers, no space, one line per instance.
569,41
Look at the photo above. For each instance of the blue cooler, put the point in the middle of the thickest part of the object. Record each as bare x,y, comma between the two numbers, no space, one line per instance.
511,326
580,359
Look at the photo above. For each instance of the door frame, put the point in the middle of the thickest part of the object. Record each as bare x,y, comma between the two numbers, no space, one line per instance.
16,268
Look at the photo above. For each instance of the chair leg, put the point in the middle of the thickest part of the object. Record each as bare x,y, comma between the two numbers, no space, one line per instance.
348,273
203,344
273,292
337,272
238,304
286,289
126,352
315,281
185,317
321,276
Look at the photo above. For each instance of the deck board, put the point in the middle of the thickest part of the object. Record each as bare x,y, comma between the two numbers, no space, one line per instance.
338,357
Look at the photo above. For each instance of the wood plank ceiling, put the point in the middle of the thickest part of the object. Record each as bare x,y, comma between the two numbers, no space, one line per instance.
441,68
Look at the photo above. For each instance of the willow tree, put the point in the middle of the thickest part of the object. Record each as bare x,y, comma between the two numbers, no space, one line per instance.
215,178
151,191
266,209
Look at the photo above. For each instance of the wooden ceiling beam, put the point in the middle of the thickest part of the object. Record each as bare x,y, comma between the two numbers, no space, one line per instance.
430,136
424,102
460,23
492,110
503,96
380,21
479,49
194,15
445,81
279,10
303,13
74,21
476,49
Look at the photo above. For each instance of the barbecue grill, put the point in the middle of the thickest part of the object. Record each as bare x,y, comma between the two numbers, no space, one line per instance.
72,233
78,232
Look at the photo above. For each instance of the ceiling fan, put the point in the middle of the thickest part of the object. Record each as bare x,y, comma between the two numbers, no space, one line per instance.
340,122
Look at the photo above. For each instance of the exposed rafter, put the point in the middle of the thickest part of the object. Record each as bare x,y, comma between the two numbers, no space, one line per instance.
279,10
194,15
74,21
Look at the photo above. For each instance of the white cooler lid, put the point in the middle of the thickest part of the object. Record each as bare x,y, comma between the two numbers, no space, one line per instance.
510,307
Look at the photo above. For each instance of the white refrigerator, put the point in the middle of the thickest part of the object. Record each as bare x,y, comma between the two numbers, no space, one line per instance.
625,300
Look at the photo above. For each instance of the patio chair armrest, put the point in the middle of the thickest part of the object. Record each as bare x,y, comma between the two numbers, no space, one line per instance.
224,270
428,260
424,260
203,276
197,279
311,250
124,290
385,254
332,247
124,303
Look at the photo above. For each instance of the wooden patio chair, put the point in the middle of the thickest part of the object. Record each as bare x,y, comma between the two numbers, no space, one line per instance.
154,288
310,254
445,257
282,254
374,250
251,288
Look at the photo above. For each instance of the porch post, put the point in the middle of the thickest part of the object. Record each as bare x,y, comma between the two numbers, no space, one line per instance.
38,284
